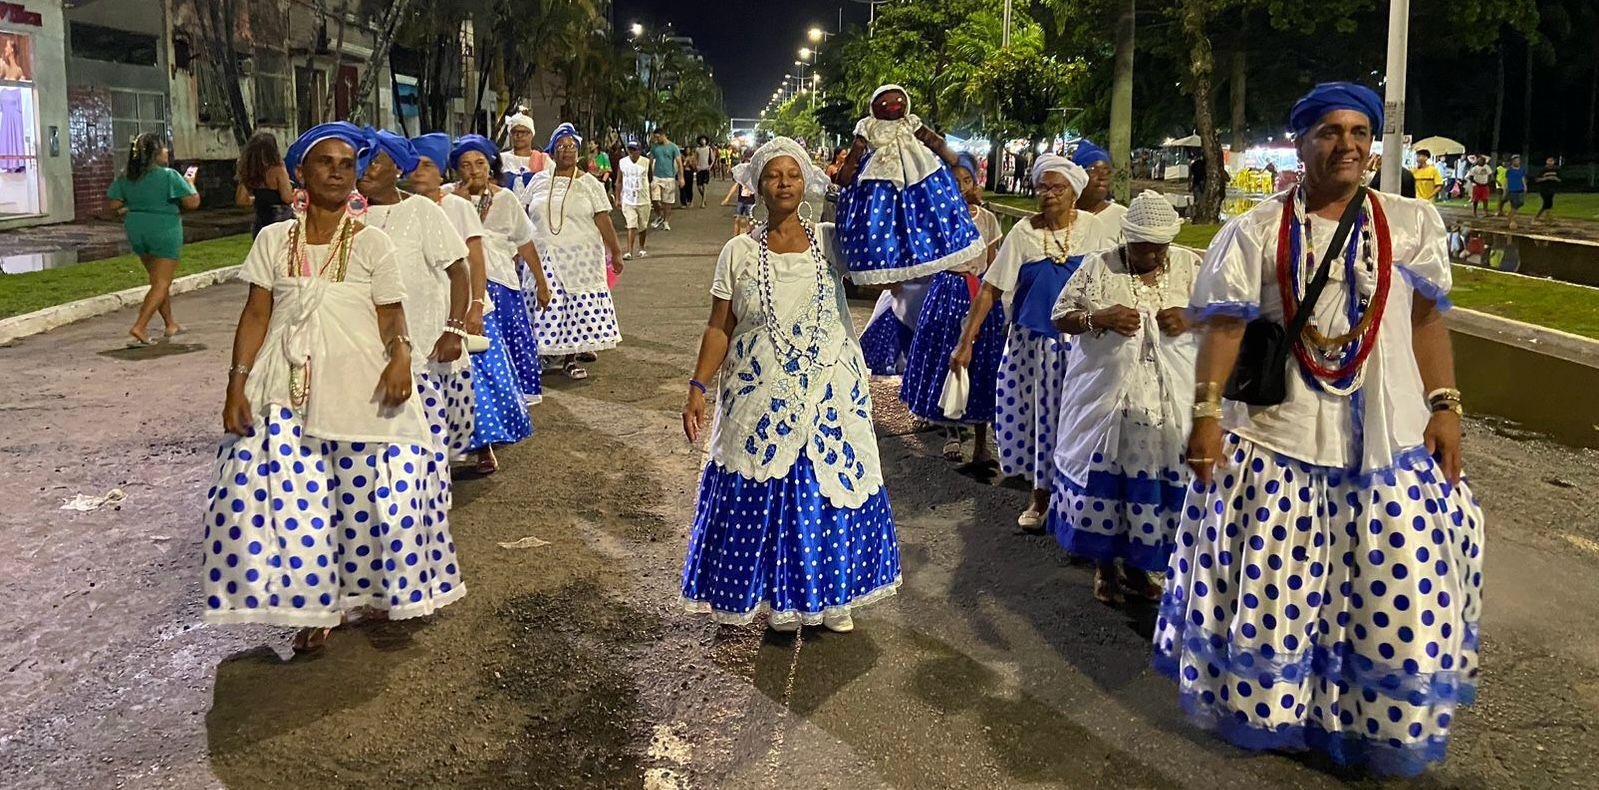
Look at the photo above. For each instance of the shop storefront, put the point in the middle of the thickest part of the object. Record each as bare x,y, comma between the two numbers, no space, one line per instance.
35,171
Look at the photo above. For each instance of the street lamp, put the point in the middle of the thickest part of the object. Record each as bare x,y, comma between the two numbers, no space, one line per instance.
818,35
636,29
805,53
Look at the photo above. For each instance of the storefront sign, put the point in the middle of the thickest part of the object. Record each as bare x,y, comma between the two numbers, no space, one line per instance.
17,14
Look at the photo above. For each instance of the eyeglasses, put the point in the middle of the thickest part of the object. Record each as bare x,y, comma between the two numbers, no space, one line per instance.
1054,190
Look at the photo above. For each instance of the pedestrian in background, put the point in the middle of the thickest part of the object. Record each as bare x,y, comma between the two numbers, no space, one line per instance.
150,196
1426,176
666,179
633,188
262,182
1499,186
1481,179
1548,181
703,154
1515,184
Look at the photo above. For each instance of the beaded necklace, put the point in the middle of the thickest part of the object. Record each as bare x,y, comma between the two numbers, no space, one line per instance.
799,360
1063,245
549,202
299,265
1336,364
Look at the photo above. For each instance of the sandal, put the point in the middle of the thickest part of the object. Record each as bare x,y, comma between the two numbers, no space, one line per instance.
1138,583
487,464
1105,590
588,356
311,640
574,371
952,449
1031,522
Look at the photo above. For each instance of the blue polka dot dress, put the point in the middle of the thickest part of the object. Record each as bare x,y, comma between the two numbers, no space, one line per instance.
575,322
791,517
447,397
885,340
300,531
499,405
890,234
1032,372
938,331
1310,607
521,344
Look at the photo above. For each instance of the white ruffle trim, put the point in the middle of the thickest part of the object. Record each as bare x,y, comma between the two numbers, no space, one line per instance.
808,618
328,618
891,276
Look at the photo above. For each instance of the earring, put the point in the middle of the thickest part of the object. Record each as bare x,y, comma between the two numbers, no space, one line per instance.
301,200
357,204
807,211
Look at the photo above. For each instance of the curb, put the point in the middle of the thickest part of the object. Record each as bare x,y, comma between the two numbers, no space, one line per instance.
1528,337
20,326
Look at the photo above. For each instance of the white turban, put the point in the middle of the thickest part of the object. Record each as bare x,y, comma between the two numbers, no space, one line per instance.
522,120
1074,173
892,87
1150,218
816,181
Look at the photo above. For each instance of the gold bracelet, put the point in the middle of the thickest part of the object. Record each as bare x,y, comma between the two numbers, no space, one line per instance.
1207,410
1208,392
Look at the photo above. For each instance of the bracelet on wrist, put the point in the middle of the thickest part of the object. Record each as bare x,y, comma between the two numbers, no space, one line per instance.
388,347
1088,321
1207,410
697,384
455,330
240,369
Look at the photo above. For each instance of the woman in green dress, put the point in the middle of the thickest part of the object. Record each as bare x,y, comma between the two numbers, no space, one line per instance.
150,195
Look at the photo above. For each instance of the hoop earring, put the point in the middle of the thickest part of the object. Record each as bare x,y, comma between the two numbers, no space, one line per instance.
807,212
301,200
356,205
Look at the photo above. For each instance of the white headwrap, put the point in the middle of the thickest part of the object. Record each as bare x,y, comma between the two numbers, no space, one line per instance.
522,120
892,87
1074,173
1150,218
816,181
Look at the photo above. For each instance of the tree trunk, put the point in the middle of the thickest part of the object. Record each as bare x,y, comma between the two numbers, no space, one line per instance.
1499,103
1201,67
338,61
219,20
1121,104
1526,113
380,54
1235,92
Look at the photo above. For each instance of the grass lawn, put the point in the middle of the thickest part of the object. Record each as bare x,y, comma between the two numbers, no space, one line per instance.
1568,205
29,291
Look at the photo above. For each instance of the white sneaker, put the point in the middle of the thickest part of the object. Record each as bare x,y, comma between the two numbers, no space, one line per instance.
644,253
627,256
666,226
783,624
841,623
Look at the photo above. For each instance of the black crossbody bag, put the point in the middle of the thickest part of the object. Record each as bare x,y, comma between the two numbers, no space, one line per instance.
1260,377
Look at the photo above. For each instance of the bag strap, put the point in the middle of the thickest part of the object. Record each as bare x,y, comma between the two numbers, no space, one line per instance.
1323,272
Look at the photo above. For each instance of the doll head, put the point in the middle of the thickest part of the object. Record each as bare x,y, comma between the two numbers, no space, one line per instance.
890,103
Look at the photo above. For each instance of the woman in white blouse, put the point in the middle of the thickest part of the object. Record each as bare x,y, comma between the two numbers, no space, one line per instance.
326,498
1326,588
792,517
1124,411
572,222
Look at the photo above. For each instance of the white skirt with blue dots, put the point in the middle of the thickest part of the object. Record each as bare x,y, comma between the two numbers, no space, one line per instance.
300,531
1128,504
1032,374
447,398
780,546
1311,608
574,322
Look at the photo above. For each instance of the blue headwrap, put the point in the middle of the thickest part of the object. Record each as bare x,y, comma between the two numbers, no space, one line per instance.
1329,96
1087,154
970,163
474,142
396,146
434,146
562,131
334,130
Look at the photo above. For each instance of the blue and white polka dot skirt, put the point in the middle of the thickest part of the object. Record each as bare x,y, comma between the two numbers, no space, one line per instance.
1032,374
1310,608
574,322
1128,507
890,235
884,344
300,531
447,398
499,411
781,546
521,345
938,331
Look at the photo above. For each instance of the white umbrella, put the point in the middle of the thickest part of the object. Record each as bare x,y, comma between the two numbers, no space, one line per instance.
1439,146
1191,141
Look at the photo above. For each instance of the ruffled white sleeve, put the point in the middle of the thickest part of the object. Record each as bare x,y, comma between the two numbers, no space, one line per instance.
388,287
1007,264
1229,280
722,282
1082,290
266,259
1417,228
442,246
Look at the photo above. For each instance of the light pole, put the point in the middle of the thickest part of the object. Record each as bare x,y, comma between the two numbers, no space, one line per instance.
1393,126
1004,37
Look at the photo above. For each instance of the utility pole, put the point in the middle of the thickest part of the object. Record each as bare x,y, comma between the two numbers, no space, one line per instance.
1004,38
1393,125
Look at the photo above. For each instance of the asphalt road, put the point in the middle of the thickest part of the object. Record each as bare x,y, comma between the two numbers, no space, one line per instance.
569,665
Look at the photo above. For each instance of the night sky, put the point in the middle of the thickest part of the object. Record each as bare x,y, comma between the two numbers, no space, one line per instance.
749,44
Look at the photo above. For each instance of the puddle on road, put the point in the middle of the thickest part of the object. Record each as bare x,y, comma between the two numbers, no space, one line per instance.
157,351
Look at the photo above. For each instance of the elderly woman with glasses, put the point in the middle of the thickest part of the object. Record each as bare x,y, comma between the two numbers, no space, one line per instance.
1034,262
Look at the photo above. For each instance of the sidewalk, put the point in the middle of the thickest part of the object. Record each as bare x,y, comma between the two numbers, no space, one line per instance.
96,239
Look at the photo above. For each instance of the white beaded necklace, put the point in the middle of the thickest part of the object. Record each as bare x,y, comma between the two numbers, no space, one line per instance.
798,360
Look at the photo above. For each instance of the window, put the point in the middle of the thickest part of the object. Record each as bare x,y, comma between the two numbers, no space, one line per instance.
132,114
310,91
208,85
94,42
272,89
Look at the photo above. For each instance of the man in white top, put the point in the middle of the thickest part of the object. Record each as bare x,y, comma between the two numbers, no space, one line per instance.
633,195
703,153
1481,179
